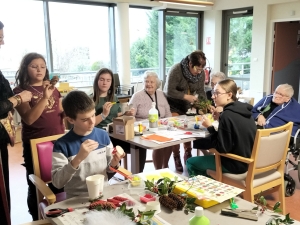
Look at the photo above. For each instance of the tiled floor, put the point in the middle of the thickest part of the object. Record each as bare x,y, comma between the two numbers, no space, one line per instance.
18,185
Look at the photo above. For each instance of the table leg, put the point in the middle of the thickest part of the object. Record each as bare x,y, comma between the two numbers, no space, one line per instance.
135,162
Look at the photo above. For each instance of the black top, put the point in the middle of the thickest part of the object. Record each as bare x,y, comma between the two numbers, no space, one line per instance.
236,134
267,111
5,105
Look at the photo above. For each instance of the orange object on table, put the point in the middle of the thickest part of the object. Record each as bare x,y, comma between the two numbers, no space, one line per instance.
155,137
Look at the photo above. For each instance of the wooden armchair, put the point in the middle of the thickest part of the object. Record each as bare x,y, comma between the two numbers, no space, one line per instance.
266,164
41,149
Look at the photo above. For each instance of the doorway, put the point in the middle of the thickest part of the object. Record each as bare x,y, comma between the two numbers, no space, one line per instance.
286,56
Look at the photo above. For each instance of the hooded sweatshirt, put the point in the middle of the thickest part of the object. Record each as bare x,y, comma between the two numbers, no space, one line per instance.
236,134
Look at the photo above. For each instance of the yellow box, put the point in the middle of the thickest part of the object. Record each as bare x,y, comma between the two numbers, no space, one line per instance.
205,203
123,127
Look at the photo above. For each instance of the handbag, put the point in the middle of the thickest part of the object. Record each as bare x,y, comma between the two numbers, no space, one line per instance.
8,124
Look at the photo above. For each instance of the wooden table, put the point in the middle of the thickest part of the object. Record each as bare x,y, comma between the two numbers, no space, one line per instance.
175,217
39,222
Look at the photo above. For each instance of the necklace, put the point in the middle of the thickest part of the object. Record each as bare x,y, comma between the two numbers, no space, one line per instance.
36,96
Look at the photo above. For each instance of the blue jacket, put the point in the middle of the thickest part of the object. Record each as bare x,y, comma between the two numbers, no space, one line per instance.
282,114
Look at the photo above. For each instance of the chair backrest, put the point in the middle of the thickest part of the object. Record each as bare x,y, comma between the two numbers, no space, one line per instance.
41,149
248,100
270,148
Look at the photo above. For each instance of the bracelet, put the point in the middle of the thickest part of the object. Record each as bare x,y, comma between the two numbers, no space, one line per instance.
18,98
102,116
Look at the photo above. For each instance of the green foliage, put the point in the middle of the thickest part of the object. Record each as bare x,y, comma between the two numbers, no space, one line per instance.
181,34
261,203
97,65
202,104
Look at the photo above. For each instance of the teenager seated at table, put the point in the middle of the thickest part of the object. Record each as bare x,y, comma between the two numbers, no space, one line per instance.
81,152
278,109
231,136
142,102
215,77
108,107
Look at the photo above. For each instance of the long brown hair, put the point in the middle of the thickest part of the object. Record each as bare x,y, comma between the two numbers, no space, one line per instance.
22,76
111,91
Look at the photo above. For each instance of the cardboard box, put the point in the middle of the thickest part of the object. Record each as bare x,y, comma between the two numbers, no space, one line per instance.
123,127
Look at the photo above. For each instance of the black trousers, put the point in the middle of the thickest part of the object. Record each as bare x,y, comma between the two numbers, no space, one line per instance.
4,203
31,195
126,147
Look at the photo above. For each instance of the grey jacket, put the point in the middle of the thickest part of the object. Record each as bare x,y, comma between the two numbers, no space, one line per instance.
177,86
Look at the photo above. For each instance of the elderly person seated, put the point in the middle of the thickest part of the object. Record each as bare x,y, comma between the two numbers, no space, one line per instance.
278,109
142,101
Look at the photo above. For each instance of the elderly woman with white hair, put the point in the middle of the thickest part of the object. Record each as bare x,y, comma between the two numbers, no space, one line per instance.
215,77
278,109
141,101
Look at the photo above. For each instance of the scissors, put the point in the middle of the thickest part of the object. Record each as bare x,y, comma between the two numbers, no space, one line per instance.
58,212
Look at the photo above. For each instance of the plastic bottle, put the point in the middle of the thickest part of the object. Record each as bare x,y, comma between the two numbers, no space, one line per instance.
153,118
199,218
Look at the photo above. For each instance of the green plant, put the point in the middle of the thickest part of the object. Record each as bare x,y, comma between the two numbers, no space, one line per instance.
261,205
202,105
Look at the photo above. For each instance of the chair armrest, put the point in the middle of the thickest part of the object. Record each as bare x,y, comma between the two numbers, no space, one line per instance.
43,188
232,156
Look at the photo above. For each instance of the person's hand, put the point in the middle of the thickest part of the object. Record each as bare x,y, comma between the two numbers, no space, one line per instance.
261,120
86,147
216,112
106,108
190,98
48,90
116,159
130,112
206,121
25,96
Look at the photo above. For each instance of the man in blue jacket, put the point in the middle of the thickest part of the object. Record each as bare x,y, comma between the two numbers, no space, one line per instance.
278,109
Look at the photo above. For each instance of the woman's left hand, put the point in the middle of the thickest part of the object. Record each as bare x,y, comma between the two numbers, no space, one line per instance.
206,121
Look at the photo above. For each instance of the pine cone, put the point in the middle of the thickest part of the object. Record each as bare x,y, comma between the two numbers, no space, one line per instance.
179,200
167,202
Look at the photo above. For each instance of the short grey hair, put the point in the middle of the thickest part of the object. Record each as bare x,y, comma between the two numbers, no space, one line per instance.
152,74
289,90
219,75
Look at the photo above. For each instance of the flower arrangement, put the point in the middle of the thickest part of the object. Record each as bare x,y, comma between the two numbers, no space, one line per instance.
164,188
202,105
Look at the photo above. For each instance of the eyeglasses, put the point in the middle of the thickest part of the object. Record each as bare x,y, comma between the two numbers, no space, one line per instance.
280,95
216,93
199,69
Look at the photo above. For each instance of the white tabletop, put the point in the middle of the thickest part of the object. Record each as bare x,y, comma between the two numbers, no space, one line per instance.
175,217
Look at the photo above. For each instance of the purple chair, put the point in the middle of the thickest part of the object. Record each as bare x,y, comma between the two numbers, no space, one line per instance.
41,149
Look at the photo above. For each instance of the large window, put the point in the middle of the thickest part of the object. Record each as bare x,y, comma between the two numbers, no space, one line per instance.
80,41
24,32
144,54
237,40
181,37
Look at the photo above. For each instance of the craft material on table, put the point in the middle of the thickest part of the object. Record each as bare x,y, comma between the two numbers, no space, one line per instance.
208,192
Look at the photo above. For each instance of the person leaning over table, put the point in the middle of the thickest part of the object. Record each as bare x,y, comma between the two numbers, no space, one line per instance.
80,152
142,102
108,107
8,101
215,77
184,81
278,109
231,136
